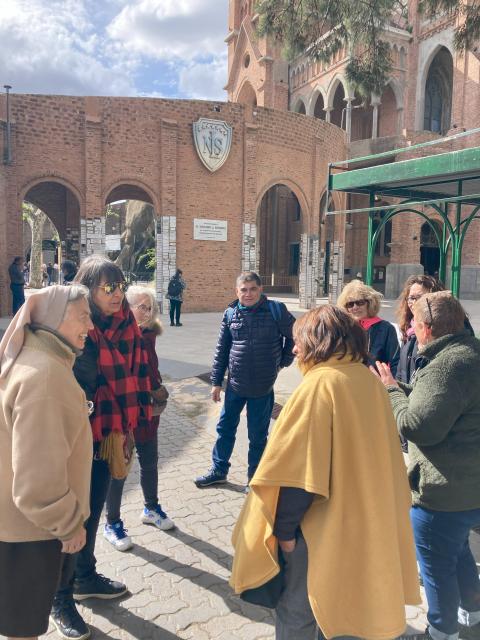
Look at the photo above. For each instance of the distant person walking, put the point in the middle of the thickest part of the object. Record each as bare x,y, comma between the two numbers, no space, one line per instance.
49,273
176,286
255,342
17,283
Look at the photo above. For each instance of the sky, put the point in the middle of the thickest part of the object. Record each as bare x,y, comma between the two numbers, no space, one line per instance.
153,48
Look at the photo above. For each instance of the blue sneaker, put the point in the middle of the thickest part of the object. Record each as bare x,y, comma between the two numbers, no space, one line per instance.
211,477
116,534
158,518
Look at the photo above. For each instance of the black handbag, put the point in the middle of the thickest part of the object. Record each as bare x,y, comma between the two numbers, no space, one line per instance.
268,594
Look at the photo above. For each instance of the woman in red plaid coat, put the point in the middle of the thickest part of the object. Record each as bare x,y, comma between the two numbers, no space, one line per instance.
113,372
147,314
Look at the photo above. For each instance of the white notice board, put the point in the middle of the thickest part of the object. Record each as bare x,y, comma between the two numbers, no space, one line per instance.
210,229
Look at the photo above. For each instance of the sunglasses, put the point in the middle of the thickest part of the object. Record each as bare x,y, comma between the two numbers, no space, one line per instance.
111,287
358,303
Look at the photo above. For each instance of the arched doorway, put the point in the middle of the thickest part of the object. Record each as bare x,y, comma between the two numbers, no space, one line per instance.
429,249
362,119
51,230
247,95
319,108
327,237
300,107
337,115
388,114
130,232
438,93
279,221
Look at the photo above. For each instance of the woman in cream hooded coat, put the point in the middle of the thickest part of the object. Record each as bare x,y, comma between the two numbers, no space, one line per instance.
45,454
336,502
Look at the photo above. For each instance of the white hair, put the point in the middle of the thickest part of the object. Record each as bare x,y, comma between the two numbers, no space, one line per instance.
138,291
76,292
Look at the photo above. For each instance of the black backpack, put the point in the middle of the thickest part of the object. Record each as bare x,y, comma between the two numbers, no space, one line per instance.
174,287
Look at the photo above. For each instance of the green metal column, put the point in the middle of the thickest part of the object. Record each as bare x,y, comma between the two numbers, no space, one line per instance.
442,268
456,246
370,249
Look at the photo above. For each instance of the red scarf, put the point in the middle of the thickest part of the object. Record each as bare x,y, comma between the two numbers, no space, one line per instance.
366,323
122,399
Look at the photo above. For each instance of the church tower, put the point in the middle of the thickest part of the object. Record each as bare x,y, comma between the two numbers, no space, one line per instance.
257,75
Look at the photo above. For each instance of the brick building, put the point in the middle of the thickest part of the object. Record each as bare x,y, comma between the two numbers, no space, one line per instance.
72,156
433,91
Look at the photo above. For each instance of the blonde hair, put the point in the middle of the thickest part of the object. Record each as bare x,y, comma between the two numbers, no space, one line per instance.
137,291
357,290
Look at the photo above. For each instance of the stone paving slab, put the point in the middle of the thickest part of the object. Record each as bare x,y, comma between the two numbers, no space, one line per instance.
178,580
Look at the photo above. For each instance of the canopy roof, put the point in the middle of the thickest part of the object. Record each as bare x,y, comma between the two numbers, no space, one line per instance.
444,175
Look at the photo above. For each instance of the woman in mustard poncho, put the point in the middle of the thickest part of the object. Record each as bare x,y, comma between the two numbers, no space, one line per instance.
331,491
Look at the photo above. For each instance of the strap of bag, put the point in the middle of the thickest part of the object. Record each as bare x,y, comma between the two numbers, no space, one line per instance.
273,306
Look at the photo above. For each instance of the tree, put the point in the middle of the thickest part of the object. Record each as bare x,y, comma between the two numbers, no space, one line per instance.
320,28
36,219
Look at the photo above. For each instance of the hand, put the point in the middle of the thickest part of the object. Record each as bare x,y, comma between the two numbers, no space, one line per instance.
76,543
216,391
383,372
287,545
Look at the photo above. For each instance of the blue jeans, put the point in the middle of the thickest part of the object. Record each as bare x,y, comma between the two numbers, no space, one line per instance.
259,412
448,569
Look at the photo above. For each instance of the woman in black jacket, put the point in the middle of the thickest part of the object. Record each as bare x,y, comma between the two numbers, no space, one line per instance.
415,287
363,303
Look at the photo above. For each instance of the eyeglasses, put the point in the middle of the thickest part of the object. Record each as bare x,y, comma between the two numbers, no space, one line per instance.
111,287
358,303
143,308
413,298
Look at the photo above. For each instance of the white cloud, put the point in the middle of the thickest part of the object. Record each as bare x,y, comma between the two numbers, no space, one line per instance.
205,80
114,47
51,46
165,28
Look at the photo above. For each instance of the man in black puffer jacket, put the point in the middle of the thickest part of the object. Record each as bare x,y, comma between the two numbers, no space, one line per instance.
255,342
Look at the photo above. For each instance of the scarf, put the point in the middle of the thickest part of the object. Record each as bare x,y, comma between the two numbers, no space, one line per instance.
366,323
411,329
122,399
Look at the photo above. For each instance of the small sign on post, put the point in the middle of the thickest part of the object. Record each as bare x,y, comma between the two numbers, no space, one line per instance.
112,242
210,230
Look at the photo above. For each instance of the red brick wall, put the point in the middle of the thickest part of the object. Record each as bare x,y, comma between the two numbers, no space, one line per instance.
93,145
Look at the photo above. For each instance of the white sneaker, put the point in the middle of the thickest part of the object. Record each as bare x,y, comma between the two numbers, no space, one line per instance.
116,534
158,518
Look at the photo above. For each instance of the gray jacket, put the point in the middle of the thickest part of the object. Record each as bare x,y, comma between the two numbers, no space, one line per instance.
439,414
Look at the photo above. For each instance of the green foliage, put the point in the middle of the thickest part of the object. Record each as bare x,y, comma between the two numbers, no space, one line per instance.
320,28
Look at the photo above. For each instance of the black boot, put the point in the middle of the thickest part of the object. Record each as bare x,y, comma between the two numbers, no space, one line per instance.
67,621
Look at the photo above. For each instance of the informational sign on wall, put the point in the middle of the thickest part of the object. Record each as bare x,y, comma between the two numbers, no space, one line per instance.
210,229
112,242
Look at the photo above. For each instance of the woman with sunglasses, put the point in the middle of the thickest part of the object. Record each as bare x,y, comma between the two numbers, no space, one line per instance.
147,314
113,372
363,303
415,287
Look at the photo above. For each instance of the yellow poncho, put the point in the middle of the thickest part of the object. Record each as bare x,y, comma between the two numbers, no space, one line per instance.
336,437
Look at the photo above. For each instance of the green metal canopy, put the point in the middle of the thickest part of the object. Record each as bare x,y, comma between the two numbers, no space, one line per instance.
447,183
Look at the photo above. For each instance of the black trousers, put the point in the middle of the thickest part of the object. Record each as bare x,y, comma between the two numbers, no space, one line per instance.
147,453
18,296
81,566
175,308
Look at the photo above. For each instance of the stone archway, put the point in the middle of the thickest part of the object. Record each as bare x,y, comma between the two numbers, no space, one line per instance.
52,218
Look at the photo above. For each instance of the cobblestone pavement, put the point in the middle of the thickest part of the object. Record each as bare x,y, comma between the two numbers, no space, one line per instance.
178,580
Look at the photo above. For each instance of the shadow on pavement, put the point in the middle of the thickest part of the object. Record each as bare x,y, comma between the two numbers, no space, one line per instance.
214,553
205,580
131,623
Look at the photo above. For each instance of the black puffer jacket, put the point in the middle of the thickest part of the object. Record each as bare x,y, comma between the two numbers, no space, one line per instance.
406,363
253,346
383,344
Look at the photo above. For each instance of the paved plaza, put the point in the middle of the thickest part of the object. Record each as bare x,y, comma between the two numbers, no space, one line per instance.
178,581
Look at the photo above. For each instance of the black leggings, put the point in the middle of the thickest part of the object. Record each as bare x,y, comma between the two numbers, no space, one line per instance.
175,308
147,453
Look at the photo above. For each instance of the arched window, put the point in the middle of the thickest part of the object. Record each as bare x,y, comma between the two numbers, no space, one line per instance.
438,93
